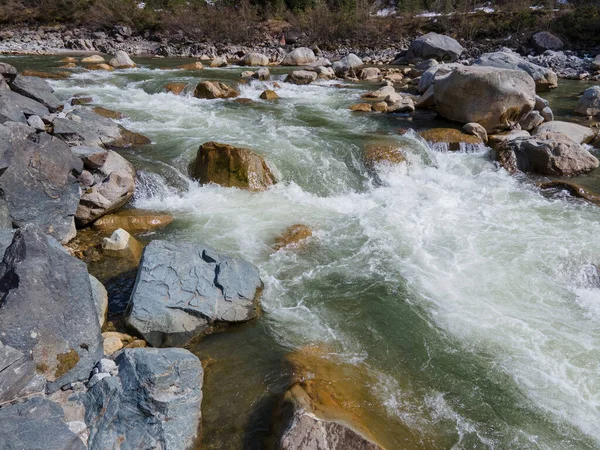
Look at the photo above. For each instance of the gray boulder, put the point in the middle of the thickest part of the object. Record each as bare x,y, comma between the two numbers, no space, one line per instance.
429,76
301,56
589,102
545,154
113,186
153,403
531,121
38,185
36,424
38,90
47,308
16,107
16,371
348,67
434,46
543,40
545,79
8,72
579,133
255,59
182,289
121,60
301,77
495,98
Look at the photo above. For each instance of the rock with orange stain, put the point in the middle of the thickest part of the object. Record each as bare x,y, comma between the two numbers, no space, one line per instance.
293,237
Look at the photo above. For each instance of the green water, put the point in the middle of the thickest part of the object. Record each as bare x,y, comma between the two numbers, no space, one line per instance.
463,297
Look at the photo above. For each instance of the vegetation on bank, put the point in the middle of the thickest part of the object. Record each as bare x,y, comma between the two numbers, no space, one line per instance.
322,21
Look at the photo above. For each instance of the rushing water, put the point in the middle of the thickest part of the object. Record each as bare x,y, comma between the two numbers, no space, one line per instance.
465,299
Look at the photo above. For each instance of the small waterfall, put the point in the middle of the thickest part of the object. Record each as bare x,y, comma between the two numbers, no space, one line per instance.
151,186
463,147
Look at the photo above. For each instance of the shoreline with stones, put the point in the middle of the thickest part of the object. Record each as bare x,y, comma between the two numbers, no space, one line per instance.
62,174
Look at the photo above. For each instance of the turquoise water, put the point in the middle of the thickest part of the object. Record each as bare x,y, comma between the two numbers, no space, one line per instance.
462,295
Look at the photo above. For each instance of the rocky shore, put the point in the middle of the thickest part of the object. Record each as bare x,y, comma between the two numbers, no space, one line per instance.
72,379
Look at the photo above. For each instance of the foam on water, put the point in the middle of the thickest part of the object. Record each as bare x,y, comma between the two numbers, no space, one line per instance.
485,259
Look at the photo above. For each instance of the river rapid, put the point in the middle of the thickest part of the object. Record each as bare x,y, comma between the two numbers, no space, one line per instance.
460,304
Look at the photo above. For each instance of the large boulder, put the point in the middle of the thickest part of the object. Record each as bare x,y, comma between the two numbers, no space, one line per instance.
38,184
8,72
38,90
113,185
494,98
16,107
121,60
589,102
232,167
427,78
545,154
579,133
300,56
255,59
153,403
543,40
48,311
214,89
545,79
434,46
182,289
302,77
348,67
36,424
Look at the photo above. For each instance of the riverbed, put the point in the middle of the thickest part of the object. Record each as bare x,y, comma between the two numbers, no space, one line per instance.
459,303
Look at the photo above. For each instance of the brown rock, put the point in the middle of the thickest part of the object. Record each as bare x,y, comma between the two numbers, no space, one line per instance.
293,237
192,66
451,136
93,59
574,189
109,113
232,167
130,139
214,89
123,245
101,66
243,100
81,101
68,66
69,59
175,88
47,75
269,95
132,220
380,107
388,154
361,107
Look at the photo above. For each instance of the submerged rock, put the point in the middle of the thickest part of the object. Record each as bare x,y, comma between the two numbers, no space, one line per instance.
434,46
232,167
293,237
451,139
153,402
545,154
377,154
121,60
48,310
361,107
192,66
494,98
269,95
122,245
175,88
214,89
183,289
133,220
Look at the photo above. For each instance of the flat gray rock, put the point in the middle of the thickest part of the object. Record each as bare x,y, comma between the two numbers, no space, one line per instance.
153,403
183,288
38,90
14,107
434,46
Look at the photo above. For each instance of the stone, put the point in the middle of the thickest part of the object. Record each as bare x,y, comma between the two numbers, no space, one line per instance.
269,95
388,154
301,77
153,403
361,107
133,220
121,60
370,74
545,154
543,40
545,79
348,67
115,184
38,185
47,75
16,371
111,345
8,72
451,139
36,423
434,46
220,61
101,66
175,88
231,166
496,139
108,113
92,157
379,94
14,107
325,73
541,103
476,130
531,121
263,74
293,237
247,74
183,289
192,66
78,101
301,56
60,329
214,89
380,107
36,122
255,59
579,133
122,245
100,297
495,98
589,103
547,114
93,59
399,104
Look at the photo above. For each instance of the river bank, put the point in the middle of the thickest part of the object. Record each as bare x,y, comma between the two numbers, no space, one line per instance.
431,299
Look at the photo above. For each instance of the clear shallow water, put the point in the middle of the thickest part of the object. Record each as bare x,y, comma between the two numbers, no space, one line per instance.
460,294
